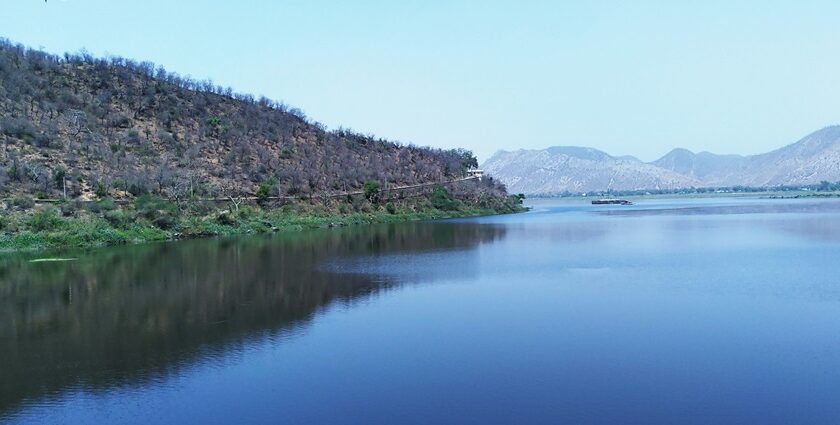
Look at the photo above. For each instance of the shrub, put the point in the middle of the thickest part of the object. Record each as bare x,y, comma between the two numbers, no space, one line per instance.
10,223
15,171
214,121
357,203
162,219
133,136
59,174
197,207
45,220
101,190
390,208
118,218
225,218
23,202
119,120
245,212
106,204
159,211
68,209
20,128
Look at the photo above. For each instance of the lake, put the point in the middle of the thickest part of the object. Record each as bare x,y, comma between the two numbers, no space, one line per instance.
669,311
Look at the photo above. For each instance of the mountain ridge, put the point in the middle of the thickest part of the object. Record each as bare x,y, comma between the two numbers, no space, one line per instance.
810,160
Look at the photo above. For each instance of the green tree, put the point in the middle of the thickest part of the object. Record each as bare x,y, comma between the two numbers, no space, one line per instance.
371,191
59,175
265,189
442,201
466,158
101,190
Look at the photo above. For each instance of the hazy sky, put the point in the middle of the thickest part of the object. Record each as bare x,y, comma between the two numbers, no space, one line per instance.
627,77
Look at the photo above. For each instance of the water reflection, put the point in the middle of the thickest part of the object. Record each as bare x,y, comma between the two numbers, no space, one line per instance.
130,314
741,207
809,220
826,229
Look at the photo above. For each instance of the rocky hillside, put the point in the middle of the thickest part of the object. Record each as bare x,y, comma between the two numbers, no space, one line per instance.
811,160
574,169
115,127
704,166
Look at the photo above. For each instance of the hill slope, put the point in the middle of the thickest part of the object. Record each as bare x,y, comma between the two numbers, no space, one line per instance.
116,127
813,159
707,167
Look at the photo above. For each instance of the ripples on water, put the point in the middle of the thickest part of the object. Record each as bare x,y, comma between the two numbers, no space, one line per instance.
698,311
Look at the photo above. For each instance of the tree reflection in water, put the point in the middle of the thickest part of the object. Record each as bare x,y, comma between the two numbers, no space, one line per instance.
125,315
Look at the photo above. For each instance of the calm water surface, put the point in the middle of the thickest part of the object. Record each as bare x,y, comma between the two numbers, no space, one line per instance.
690,311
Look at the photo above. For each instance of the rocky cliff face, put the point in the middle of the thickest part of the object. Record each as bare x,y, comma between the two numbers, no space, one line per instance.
574,169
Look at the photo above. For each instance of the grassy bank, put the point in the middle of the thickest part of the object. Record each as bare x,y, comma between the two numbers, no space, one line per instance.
149,219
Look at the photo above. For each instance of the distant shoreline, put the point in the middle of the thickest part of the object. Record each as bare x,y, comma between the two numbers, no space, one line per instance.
753,195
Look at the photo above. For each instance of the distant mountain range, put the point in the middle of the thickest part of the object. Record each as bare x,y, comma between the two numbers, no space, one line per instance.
811,160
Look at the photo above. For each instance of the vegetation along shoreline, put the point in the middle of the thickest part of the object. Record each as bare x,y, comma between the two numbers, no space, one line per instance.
147,218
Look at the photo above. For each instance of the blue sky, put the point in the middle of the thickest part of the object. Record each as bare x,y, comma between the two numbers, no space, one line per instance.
634,78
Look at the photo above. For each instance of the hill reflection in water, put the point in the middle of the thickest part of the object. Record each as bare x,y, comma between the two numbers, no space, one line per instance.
126,315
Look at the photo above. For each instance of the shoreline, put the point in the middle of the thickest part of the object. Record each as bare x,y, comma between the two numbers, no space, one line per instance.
735,195
91,231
